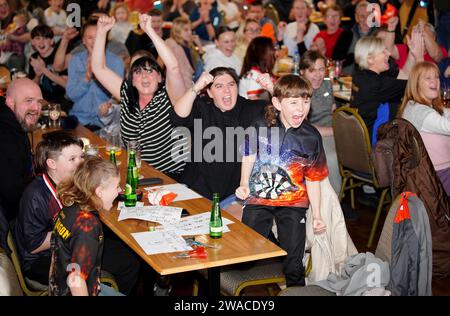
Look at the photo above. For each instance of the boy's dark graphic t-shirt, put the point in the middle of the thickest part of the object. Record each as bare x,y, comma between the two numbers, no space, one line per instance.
285,158
77,245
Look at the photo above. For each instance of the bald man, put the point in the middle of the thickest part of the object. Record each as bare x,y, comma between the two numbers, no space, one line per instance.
19,114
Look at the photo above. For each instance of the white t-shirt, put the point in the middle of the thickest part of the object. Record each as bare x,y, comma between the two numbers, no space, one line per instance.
289,37
231,10
249,87
215,58
120,31
56,20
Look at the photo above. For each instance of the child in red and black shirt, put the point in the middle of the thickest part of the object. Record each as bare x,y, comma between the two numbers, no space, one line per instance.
77,239
282,165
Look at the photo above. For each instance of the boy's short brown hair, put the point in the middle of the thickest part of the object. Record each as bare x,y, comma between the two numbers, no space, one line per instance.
289,86
292,86
51,147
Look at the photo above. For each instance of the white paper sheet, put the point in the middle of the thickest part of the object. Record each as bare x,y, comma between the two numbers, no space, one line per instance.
195,225
122,204
160,242
158,214
182,191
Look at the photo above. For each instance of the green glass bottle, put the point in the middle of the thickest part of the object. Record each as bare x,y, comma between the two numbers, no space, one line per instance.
132,162
215,222
130,189
112,157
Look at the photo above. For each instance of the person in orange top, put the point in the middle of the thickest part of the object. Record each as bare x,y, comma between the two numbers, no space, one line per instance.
256,12
143,6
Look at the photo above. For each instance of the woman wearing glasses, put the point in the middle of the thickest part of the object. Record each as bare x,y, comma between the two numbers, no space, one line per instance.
145,97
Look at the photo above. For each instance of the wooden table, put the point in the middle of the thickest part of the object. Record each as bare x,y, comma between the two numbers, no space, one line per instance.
343,91
241,244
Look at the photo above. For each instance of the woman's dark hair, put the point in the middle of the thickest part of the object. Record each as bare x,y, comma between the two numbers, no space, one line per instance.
219,71
261,54
51,146
43,31
222,29
309,58
141,63
91,21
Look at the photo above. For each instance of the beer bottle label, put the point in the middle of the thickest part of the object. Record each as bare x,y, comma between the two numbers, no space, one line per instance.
216,229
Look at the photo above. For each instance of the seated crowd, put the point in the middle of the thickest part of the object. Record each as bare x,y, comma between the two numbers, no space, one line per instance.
147,74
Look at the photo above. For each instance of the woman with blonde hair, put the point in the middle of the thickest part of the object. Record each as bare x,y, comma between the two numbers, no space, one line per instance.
181,42
374,85
248,31
422,106
122,27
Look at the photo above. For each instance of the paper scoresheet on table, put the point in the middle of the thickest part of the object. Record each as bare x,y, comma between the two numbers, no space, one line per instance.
158,214
160,242
194,225
122,204
182,191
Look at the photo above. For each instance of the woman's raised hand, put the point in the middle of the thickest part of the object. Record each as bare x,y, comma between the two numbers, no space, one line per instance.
205,79
265,81
105,23
416,44
145,22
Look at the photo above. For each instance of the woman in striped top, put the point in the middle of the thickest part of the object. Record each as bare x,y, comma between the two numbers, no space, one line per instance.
145,97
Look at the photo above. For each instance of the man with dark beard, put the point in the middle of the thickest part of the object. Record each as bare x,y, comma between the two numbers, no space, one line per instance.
19,114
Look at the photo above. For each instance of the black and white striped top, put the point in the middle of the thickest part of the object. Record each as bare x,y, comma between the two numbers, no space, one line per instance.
152,127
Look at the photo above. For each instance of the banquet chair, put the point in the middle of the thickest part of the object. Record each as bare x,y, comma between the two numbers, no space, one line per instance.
353,149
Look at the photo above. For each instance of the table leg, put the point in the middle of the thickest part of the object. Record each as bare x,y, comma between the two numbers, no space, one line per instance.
214,281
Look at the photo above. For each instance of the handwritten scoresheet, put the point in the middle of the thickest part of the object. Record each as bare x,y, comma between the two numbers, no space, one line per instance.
122,204
160,242
194,225
158,214
182,191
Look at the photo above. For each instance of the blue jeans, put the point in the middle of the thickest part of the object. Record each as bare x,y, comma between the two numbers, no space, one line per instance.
106,290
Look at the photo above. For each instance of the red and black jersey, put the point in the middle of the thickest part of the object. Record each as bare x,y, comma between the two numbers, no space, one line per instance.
39,208
285,158
77,245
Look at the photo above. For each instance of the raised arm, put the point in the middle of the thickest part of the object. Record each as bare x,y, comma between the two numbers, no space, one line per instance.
431,45
416,47
389,37
61,61
183,106
174,79
106,76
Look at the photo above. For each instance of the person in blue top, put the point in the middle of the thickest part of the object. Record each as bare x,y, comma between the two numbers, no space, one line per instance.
205,20
82,87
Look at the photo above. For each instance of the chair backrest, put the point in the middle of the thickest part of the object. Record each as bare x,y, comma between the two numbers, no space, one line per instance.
352,141
16,262
9,284
272,13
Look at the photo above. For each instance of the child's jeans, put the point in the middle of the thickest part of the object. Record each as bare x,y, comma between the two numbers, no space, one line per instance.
106,290
291,235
